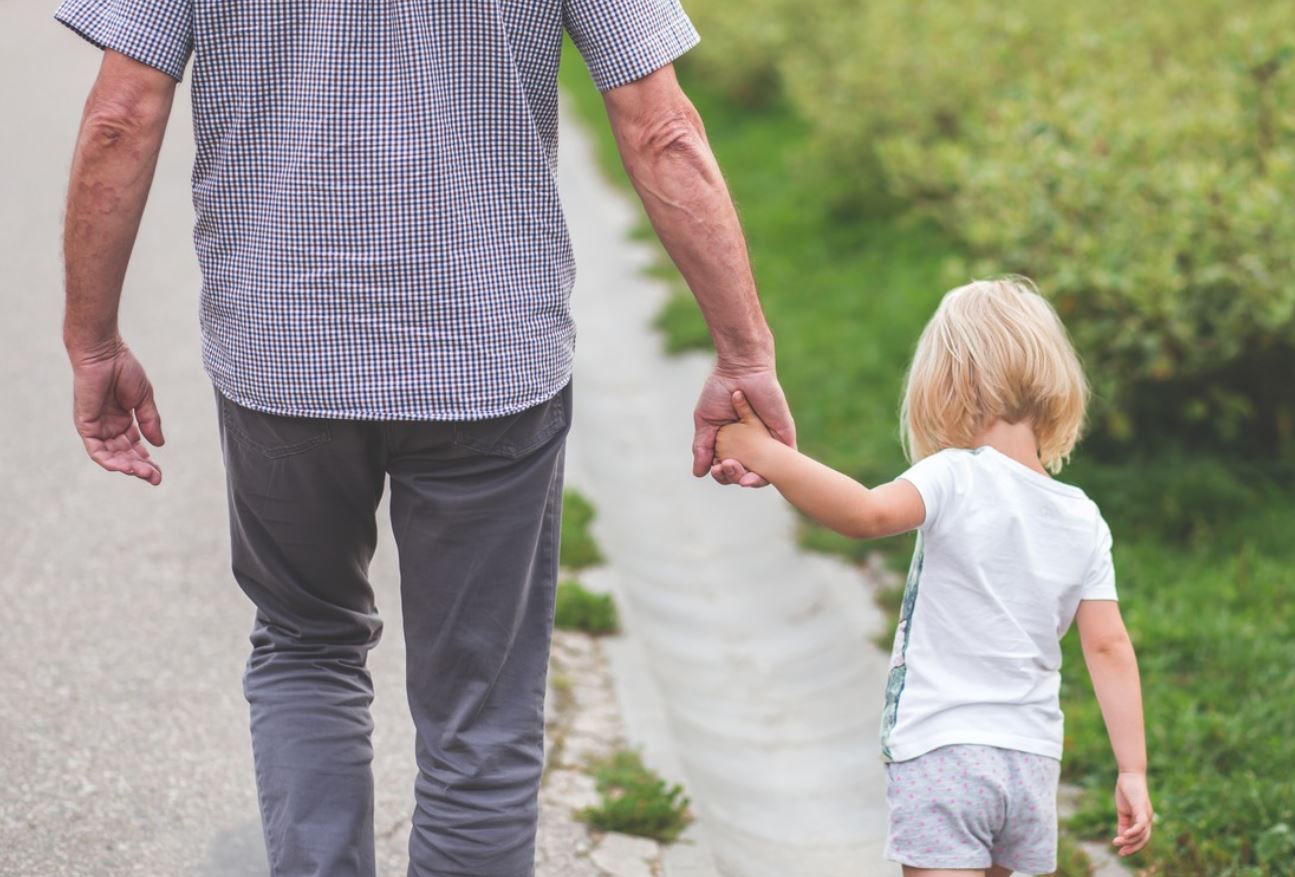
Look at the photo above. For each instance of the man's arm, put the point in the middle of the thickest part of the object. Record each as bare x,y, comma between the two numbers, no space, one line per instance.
665,151
116,153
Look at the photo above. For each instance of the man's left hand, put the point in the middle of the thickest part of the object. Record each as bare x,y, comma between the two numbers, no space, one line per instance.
715,409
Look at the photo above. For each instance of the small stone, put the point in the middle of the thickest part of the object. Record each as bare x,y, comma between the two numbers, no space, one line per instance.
570,789
579,749
624,856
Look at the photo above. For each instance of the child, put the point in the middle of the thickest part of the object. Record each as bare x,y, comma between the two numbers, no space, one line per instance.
1006,559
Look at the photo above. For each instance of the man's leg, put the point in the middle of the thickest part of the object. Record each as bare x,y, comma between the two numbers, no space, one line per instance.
475,513
303,495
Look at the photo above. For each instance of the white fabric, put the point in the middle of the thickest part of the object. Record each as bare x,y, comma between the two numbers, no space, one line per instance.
1005,555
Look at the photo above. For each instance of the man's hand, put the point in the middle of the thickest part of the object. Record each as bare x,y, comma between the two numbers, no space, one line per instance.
715,409
114,411
1133,809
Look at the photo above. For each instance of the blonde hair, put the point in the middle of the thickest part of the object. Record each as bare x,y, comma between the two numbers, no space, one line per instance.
995,349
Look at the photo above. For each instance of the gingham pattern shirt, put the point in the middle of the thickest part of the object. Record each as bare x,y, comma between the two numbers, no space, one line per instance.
378,221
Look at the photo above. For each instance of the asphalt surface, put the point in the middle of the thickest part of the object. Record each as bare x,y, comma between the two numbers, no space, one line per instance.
123,732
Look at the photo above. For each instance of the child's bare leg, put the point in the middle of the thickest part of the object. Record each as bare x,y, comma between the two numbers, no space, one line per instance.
998,871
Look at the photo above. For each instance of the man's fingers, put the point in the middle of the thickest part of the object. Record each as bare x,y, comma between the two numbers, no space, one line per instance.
727,471
770,407
125,462
703,448
150,421
750,479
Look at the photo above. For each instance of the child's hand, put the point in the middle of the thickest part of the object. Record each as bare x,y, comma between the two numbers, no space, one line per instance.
746,440
1133,807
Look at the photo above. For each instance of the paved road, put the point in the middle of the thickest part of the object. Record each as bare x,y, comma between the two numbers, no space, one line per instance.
123,741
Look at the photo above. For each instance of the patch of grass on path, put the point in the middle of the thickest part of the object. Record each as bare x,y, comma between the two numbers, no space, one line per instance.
636,801
579,550
581,609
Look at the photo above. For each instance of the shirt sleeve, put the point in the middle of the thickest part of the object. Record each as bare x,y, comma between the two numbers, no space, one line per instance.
935,479
1099,583
158,33
625,40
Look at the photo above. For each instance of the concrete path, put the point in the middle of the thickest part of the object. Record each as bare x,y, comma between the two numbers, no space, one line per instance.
749,671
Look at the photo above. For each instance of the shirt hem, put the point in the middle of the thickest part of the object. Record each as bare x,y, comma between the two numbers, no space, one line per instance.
907,751
431,413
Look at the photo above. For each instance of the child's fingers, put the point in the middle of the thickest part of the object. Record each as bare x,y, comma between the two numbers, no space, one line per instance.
745,412
1135,836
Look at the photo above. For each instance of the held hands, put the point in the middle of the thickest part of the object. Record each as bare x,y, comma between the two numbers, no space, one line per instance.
1133,808
114,412
746,441
715,410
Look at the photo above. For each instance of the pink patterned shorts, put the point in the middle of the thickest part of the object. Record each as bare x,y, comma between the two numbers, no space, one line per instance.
974,806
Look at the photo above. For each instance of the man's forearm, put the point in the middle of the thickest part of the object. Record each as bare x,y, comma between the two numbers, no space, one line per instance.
664,147
112,170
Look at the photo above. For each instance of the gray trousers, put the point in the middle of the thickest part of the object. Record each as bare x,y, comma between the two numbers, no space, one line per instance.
475,509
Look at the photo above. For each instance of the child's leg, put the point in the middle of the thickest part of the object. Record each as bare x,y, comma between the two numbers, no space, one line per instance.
999,871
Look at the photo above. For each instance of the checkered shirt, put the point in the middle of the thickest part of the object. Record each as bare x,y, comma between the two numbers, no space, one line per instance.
378,221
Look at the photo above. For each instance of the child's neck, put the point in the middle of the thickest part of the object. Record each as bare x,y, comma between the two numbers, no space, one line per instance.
1015,440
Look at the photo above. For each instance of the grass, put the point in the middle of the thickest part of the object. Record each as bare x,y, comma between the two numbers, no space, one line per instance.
579,550
581,609
635,800
1072,861
1204,549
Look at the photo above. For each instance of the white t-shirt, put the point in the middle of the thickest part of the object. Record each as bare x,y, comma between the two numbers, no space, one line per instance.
1003,558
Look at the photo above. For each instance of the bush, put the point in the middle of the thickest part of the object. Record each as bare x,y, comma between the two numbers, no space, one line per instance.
1136,160
579,550
741,54
580,609
636,800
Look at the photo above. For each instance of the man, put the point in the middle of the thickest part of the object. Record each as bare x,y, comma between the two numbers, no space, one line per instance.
386,275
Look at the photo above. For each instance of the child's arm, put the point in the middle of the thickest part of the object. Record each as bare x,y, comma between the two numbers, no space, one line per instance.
1113,666
834,500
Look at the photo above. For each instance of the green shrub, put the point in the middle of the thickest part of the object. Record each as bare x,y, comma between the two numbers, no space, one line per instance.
741,51
1137,160
581,609
636,800
579,550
